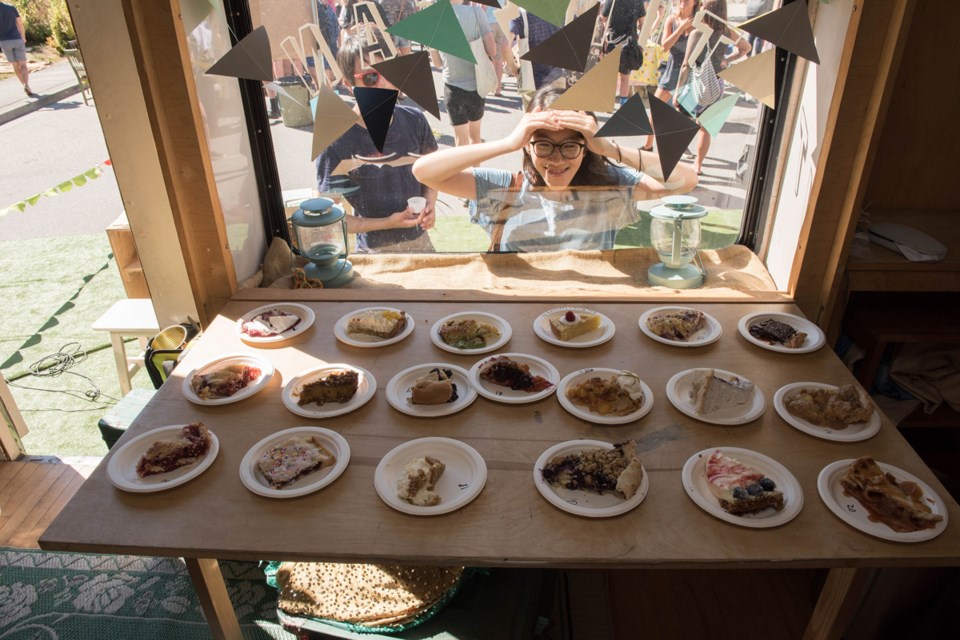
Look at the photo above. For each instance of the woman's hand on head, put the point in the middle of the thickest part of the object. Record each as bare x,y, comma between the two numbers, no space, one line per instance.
529,123
585,125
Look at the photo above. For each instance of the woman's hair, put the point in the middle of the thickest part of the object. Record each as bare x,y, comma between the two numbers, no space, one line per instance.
593,171
717,8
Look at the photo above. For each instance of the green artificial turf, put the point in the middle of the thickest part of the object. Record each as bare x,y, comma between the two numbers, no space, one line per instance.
720,228
52,290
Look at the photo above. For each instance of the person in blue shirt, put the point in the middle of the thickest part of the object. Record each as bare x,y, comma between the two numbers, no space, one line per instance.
382,218
568,195
13,42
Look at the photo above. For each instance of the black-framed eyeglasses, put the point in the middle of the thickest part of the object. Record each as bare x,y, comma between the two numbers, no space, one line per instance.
568,150
370,77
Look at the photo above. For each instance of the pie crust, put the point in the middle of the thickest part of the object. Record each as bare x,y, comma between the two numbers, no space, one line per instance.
898,504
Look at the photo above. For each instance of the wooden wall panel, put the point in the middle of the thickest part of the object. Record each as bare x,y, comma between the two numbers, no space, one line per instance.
156,34
875,56
917,160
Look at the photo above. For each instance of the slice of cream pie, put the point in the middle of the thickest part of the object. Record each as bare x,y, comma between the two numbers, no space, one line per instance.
739,487
712,391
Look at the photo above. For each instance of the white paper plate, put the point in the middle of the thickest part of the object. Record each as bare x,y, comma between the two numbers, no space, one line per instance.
266,372
849,509
710,333
853,433
815,338
582,412
366,388
398,391
584,503
304,312
678,392
505,331
538,367
461,482
541,326
695,483
365,341
255,481
122,468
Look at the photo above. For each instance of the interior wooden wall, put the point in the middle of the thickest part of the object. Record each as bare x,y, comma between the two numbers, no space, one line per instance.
875,56
917,164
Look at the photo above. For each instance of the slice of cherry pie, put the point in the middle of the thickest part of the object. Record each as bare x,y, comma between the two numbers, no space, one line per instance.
186,447
223,382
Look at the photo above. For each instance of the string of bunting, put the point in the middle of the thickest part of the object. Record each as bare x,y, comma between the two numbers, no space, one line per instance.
76,181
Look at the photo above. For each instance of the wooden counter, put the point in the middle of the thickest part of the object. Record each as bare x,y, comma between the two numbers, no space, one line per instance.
509,524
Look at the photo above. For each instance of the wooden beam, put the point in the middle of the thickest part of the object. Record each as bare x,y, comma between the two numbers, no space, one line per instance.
163,63
13,427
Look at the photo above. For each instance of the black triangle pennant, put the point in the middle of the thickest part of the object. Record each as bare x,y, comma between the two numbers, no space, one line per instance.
788,28
629,120
376,109
674,131
569,47
412,75
248,59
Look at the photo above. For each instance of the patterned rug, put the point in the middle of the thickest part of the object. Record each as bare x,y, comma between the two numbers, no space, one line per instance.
51,596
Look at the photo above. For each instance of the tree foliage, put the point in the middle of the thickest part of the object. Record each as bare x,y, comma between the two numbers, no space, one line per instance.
46,22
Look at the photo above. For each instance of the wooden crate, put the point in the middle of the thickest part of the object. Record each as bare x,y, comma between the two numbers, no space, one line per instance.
128,261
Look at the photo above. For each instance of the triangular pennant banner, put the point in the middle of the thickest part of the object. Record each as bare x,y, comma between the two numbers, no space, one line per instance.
596,89
332,117
193,12
716,114
629,120
437,27
755,76
376,109
569,47
248,59
788,28
505,16
553,11
411,74
490,3
674,131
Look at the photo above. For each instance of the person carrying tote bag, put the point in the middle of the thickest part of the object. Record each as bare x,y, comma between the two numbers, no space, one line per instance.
464,83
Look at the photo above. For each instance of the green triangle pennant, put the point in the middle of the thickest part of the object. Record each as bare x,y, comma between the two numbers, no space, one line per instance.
552,11
52,193
93,174
716,114
63,187
79,181
32,200
436,26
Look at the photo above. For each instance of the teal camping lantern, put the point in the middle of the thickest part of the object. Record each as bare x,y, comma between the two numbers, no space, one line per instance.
675,233
320,228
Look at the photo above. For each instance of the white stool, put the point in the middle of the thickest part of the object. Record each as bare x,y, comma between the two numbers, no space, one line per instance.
128,318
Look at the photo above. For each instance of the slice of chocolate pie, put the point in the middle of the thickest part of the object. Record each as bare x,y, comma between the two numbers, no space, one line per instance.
186,447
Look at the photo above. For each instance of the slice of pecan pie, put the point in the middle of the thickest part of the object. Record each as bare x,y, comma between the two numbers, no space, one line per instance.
186,447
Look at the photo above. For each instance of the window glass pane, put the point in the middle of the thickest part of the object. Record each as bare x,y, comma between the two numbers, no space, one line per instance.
493,206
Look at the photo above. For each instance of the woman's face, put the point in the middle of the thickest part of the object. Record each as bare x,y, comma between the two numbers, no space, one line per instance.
557,168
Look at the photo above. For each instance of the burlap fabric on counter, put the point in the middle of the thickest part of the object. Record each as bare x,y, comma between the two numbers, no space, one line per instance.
364,594
624,271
